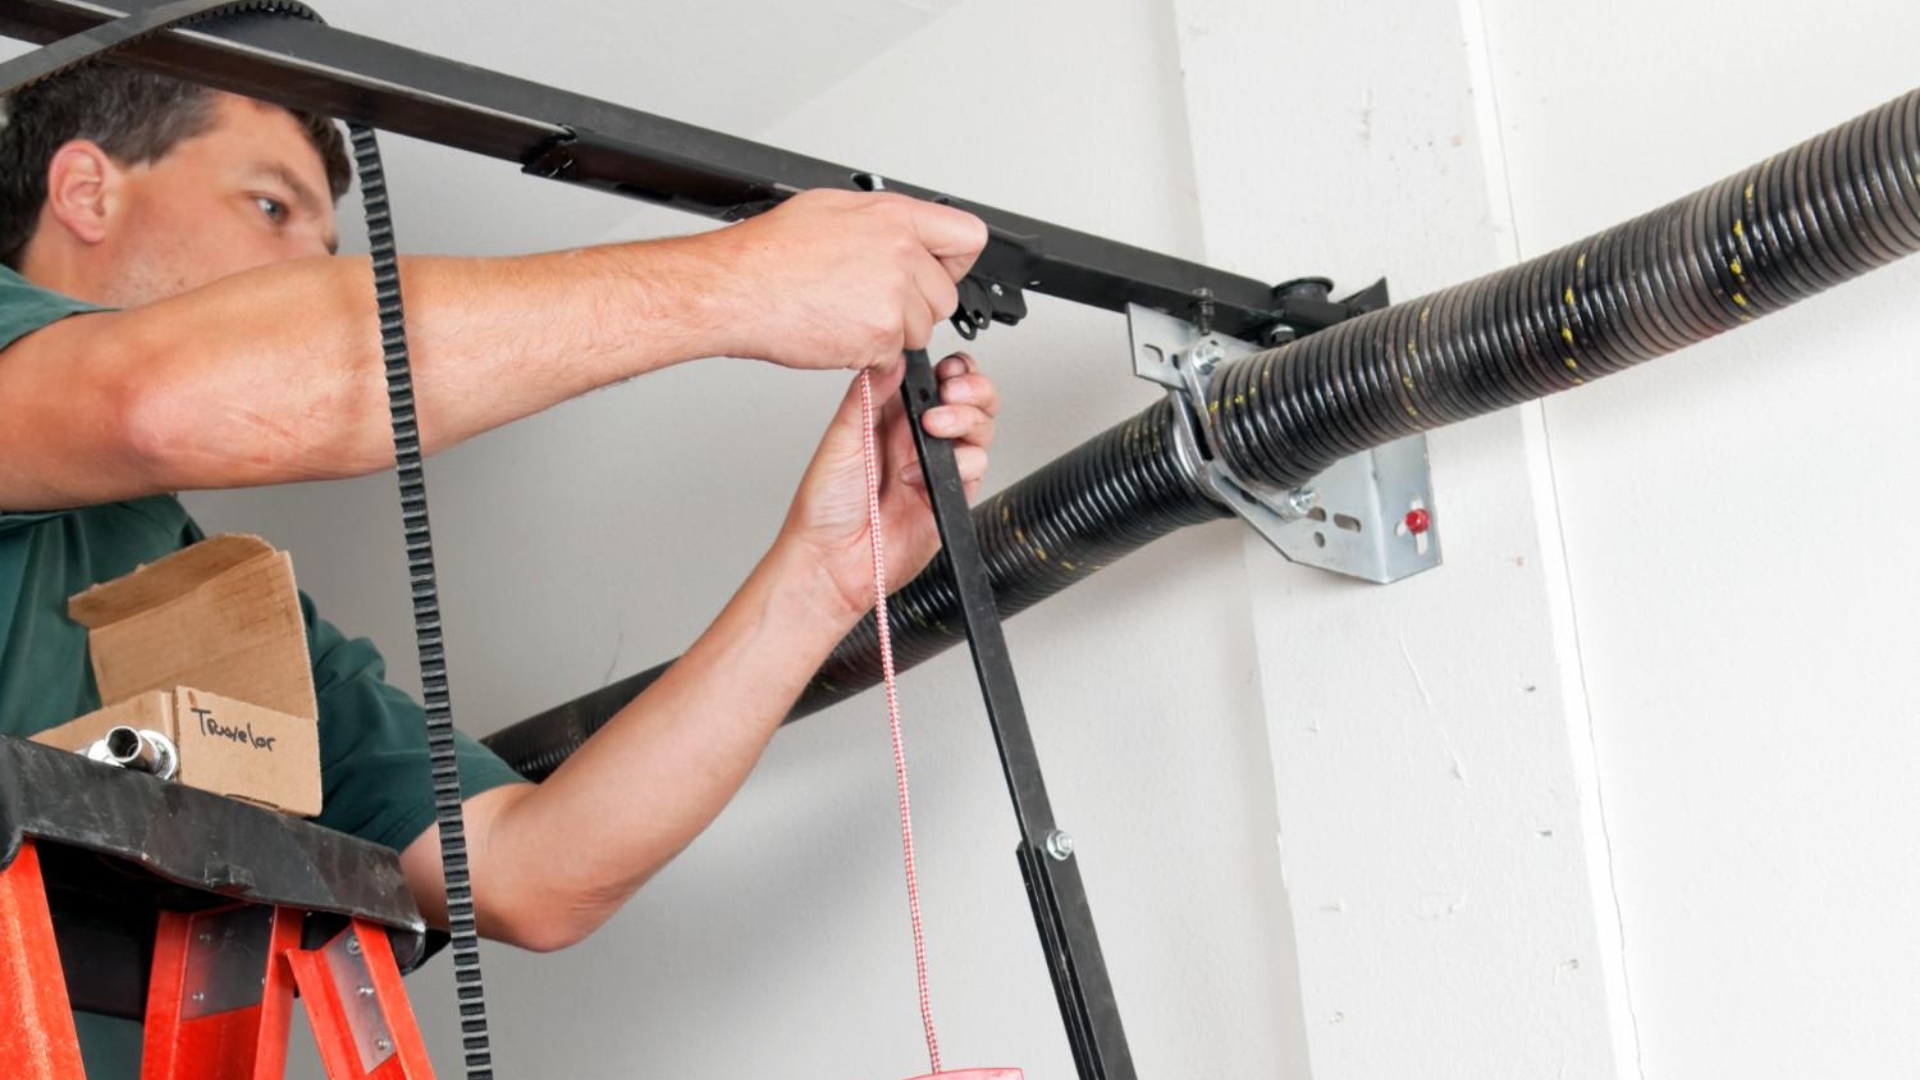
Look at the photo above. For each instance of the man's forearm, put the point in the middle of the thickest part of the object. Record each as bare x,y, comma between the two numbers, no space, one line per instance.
566,854
275,374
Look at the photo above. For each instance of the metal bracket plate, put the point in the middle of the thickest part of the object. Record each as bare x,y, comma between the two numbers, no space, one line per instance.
353,982
1368,516
227,959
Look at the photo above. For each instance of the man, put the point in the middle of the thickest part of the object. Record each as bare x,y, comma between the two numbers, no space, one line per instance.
175,319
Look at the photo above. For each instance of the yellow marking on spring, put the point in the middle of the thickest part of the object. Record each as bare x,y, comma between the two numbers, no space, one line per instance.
1406,381
1740,299
1749,194
1739,228
1424,312
1253,391
1572,364
1566,332
1042,553
1569,296
1581,262
1213,406
1019,535
1006,514
1737,271
1239,399
1413,412
1065,565
1411,350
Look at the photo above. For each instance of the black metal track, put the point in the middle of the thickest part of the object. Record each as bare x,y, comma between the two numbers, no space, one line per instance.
361,80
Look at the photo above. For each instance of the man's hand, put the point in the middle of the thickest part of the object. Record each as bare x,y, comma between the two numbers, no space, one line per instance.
659,771
828,519
840,279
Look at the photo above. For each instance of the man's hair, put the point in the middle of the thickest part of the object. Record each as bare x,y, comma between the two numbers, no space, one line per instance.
135,116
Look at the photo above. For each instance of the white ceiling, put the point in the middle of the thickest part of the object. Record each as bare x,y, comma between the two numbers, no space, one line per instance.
736,66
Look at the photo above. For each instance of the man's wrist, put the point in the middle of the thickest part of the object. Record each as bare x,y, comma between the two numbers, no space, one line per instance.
712,283
656,302
802,578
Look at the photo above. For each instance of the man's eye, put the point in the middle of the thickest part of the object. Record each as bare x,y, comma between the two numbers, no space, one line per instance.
271,207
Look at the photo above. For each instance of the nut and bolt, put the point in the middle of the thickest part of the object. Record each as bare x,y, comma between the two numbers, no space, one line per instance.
382,1046
365,991
1206,354
1059,845
353,946
1303,499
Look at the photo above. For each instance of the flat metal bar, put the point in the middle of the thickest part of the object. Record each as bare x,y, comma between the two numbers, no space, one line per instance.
314,67
1054,889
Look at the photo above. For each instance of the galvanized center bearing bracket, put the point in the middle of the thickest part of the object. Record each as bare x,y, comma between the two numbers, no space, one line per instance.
1368,516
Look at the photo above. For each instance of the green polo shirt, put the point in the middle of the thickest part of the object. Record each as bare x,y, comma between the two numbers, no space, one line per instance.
373,755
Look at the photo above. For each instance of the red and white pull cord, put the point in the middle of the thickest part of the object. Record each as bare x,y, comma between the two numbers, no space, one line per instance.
893,713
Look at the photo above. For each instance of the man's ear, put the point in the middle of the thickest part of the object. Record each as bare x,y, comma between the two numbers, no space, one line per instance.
83,187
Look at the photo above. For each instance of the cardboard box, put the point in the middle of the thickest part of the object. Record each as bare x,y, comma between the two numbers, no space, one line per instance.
225,746
208,648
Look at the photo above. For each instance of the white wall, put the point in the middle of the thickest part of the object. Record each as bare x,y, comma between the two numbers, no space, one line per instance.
1619,791
1436,835
1622,789
1735,523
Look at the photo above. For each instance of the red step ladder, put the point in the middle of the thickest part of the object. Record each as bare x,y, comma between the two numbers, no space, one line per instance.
230,945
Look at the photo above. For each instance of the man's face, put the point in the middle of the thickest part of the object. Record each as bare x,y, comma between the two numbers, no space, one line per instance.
250,191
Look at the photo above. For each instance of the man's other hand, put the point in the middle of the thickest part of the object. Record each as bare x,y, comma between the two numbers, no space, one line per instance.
828,519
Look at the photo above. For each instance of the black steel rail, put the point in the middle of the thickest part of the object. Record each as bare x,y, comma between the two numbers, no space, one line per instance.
583,140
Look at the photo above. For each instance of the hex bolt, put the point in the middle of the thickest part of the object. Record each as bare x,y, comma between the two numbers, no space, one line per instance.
1303,500
353,946
1059,845
382,1046
1205,355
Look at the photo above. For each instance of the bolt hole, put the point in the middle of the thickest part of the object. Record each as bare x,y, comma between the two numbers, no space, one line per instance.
924,396
1351,524
1318,513
1319,539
